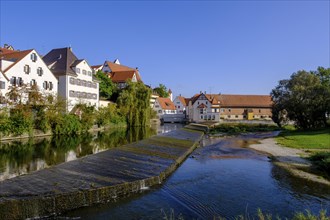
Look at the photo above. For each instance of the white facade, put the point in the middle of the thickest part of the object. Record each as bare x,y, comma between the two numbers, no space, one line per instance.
202,110
160,110
80,89
180,107
28,71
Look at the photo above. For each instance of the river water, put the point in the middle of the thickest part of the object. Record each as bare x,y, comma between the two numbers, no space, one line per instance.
223,178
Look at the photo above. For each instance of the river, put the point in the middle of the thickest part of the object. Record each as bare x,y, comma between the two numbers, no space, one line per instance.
222,178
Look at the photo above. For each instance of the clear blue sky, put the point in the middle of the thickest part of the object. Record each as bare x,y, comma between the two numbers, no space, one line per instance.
240,47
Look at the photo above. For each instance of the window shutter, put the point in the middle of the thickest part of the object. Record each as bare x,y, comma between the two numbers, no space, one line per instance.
50,86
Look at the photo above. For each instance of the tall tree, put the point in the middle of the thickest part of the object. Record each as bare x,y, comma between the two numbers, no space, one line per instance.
134,103
106,86
161,90
303,98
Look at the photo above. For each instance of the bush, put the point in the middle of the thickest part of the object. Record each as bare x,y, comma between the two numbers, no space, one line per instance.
21,120
66,124
5,125
322,161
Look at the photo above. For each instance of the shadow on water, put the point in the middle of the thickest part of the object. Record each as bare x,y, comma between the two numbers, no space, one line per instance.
22,157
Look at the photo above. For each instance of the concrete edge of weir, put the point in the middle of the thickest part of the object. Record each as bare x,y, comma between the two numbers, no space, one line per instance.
57,203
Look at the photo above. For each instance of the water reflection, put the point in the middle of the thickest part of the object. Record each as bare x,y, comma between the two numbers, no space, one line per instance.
22,157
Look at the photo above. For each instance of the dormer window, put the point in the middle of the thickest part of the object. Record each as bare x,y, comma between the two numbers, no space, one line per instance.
77,70
40,71
34,57
27,69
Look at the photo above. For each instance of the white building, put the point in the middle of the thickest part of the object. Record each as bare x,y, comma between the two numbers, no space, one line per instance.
181,105
76,82
204,108
25,68
164,106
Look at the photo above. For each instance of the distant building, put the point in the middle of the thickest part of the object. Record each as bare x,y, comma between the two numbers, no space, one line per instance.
213,107
76,81
97,68
181,105
25,69
164,106
119,74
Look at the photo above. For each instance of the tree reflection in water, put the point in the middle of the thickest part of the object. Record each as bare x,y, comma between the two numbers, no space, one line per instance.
22,157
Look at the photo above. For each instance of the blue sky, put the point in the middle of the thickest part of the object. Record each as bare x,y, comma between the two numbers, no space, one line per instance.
232,47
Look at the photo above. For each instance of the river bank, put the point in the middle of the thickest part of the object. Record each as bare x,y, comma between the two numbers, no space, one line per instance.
292,160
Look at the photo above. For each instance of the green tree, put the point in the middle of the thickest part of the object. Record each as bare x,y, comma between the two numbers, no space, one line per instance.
134,104
162,91
106,86
303,98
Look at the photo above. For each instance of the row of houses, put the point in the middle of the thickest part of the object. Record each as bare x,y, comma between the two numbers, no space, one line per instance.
204,107
59,72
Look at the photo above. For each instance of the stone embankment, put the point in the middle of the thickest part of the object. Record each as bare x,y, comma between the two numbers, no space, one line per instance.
98,178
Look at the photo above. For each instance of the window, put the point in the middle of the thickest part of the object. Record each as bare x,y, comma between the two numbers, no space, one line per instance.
201,111
27,69
45,85
89,73
94,85
40,71
178,106
159,111
50,86
201,116
94,96
222,110
229,116
34,57
83,83
213,110
33,82
236,116
89,84
229,110
209,118
77,94
197,103
2,85
77,70
72,80
13,81
71,93
205,117
78,82
20,81
259,110
84,72
206,102
156,106
213,117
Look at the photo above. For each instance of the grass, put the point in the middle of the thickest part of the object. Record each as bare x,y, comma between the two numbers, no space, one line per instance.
317,139
242,128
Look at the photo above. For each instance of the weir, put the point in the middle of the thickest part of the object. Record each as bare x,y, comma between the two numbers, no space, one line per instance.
98,178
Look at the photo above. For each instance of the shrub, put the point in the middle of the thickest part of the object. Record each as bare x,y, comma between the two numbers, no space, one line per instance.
5,125
21,120
322,161
66,124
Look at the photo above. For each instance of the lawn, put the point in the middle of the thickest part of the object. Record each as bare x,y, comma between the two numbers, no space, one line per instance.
319,139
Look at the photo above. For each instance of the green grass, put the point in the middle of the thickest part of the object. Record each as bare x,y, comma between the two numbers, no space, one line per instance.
242,128
318,139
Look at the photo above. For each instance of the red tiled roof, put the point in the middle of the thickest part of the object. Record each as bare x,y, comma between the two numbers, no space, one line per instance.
96,66
202,106
166,103
5,51
118,68
238,100
118,77
184,101
16,56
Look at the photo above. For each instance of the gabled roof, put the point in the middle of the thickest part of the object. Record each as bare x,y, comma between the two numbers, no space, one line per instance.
183,100
118,77
96,66
166,103
15,57
244,101
76,62
5,50
118,68
202,106
61,61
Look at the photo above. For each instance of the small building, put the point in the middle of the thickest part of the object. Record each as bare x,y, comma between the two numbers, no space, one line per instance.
24,69
164,106
119,74
181,105
77,84
97,68
214,107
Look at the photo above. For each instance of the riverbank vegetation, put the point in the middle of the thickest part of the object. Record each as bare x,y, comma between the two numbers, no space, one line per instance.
242,128
31,111
303,99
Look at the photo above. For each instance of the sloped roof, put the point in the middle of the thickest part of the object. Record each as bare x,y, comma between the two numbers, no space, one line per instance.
61,60
183,100
166,103
96,66
202,106
5,50
15,57
76,62
122,76
118,68
227,100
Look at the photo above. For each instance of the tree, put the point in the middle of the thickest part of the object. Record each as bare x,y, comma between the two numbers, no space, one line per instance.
161,90
106,86
303,99
134,103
